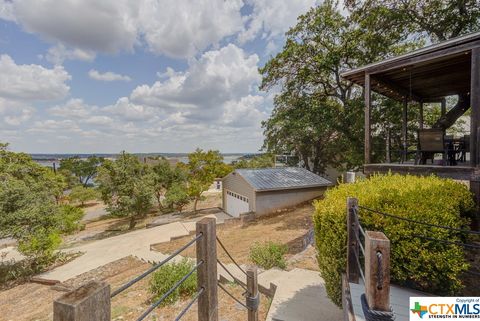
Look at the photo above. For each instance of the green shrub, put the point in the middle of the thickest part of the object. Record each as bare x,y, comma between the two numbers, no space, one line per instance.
268,255
82,194
70,219
426,265
169,274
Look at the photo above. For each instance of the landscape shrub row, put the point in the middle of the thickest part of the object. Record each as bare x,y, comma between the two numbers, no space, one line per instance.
426,265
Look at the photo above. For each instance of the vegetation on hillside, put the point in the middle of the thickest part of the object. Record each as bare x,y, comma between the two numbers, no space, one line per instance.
30,211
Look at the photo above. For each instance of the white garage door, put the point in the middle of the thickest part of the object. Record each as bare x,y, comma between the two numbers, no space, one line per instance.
236,204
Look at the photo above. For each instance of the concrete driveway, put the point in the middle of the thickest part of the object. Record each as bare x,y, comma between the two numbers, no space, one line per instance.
136,243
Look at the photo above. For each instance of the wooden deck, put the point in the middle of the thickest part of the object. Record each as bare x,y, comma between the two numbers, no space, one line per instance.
399,299
455,172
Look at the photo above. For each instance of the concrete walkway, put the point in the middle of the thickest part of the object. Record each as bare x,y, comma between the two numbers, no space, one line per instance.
136,243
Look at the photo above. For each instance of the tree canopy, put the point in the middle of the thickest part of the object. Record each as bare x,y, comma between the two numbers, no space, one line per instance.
126,187
83,169
28,205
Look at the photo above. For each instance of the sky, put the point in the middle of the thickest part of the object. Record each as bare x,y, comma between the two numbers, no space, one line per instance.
89,76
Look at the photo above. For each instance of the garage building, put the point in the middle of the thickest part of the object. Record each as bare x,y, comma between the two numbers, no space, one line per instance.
265,190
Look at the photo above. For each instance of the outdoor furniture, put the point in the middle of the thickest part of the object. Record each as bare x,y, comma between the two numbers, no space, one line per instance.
430,142
464,148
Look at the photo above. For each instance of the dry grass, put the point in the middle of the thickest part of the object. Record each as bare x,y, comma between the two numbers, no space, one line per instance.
287,227
31,301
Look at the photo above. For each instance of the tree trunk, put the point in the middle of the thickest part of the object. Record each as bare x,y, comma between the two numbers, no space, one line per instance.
133,222
195,205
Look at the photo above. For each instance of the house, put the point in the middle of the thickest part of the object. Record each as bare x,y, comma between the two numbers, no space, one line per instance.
428,75
265,190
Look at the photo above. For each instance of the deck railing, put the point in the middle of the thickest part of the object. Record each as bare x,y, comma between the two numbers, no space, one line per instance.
93,301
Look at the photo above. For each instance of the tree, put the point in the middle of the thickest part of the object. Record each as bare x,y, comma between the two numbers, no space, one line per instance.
126,187
83,169
322,44
82,194
439,19
202,169
163,177
29,212
177,196
261,161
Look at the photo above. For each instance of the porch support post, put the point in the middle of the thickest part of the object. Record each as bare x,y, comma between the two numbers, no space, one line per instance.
475,106
404,128
443,103
368,108
420,119
475,130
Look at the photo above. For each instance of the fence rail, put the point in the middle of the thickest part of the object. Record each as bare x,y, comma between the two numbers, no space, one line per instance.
93,301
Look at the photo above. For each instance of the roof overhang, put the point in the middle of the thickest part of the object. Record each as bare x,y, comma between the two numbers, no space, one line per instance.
427,74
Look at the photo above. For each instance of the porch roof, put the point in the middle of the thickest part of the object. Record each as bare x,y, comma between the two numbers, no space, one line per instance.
427,74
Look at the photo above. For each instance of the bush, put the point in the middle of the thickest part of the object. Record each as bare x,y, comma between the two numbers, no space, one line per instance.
70,219
425,265
169,274
82,194
268,255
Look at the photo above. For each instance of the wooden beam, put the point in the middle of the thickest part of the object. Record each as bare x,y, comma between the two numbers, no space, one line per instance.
207,272
463,173
395,87
368,129
475,105
405,128
443,107
353,250
420,119
422,57
377,270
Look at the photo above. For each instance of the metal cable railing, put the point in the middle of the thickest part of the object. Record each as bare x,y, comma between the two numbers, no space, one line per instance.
164,296
230,256
187,307
419,222
252,301
155,267
231,295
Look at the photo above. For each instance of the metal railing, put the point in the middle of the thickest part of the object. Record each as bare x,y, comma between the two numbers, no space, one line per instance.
93,301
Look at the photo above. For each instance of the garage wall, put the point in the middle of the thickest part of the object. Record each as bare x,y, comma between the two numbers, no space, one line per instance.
237,184
270,201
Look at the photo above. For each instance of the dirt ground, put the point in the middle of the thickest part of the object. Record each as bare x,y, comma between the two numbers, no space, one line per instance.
287,227
30,301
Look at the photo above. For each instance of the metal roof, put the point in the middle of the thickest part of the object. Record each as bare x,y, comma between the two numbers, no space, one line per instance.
263,179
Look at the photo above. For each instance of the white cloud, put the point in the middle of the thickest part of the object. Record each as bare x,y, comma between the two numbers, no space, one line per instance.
106,26
178,29
183,28
53,126
202,90
59,53
73,108
31,82
107,76
129,111
14,113
270,19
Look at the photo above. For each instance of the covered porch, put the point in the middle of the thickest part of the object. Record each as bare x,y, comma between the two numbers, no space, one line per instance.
427,76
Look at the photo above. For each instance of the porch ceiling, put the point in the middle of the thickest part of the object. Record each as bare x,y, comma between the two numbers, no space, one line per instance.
427,74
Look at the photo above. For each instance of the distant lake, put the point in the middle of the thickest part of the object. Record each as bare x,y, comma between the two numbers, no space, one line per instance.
48,160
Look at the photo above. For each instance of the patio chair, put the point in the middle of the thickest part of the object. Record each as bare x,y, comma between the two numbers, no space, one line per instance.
464,148
430,142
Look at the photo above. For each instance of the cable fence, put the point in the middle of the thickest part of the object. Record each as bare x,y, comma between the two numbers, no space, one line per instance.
94,298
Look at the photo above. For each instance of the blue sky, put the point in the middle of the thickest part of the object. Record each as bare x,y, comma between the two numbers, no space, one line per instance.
86,76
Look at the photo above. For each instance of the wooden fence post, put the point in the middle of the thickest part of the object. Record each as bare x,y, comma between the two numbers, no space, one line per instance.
207,272
252,288
353,246
377,271
89,302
